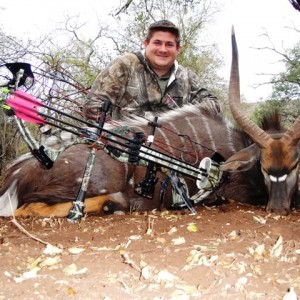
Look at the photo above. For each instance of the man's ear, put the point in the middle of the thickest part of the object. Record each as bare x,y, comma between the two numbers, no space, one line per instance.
146,43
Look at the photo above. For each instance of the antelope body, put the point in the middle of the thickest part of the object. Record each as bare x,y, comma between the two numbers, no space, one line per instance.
263,164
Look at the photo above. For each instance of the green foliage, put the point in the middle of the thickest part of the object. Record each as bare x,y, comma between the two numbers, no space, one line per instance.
286,85
265,108
10,142
286,89
289,111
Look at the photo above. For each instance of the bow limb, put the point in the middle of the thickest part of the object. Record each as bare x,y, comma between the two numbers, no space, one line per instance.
30,141
36,150
26,111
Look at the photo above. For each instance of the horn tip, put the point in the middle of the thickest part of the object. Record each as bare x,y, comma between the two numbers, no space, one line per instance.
232,31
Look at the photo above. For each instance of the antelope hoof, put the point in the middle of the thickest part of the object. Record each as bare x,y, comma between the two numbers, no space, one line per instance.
283,211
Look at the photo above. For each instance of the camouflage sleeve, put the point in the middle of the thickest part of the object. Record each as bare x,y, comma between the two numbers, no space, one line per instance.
110,83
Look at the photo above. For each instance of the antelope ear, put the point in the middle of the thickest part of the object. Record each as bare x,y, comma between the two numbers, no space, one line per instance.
242,160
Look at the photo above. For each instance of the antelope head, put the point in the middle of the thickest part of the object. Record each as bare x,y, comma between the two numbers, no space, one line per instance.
278,154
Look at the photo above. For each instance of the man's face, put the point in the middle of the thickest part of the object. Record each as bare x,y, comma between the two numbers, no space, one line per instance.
161,51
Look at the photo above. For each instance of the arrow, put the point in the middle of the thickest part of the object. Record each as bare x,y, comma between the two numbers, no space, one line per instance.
25,107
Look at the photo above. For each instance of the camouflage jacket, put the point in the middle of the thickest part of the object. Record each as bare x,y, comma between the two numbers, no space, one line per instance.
132,87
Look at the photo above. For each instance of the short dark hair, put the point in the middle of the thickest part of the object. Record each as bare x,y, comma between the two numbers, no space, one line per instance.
164,25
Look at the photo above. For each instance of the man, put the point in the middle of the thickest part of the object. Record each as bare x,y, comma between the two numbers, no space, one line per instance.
150,80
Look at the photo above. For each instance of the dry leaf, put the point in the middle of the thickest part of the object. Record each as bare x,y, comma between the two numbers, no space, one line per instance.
193,256
50,261
164,213
72,270
27,275
102,249
192,227
240,284
6,273
178,241
197,258
189,289
32,273
52,250
260,219
165,276
71,291
179,295
146,273
135,237
161,240
35,262
143,264
172,230
259,252
277,248
76,250
234,234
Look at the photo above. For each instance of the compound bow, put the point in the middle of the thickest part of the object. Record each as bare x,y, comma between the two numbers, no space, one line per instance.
27,108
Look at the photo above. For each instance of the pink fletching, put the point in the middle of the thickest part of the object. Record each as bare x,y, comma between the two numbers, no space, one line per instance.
25,107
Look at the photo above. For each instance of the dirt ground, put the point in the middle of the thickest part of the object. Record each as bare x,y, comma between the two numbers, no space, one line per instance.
232,251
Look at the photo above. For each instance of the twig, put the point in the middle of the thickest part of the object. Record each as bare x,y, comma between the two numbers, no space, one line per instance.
19,226
124,285
150,224
130,262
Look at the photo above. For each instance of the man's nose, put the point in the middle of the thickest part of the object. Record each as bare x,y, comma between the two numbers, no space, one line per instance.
163,47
